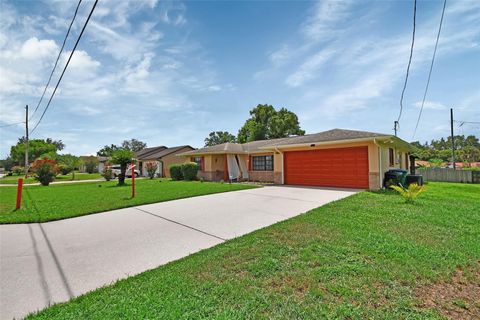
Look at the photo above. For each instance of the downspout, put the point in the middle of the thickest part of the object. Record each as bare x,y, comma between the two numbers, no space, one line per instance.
276,149
380,173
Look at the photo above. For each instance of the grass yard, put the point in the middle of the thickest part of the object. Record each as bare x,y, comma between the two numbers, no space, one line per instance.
366,256
40,204
60,177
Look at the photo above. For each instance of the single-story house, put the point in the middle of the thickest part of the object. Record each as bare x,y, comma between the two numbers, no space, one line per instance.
162,156
334,158
99,161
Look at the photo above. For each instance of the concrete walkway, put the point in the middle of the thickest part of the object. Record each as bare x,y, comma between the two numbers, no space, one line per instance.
52,262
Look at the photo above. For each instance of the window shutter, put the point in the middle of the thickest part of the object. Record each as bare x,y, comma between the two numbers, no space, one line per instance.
202,164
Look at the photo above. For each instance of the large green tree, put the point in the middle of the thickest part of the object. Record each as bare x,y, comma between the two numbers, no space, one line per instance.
132,145
219,137
36,148
467,149
107,151
267,123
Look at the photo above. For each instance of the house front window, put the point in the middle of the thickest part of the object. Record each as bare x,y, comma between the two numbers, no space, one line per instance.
199,161
262,163
391,157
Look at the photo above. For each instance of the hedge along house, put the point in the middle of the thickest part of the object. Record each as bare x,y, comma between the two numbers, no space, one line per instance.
334,158
162,156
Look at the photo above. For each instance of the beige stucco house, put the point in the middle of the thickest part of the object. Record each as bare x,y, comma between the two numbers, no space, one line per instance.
162,156
334,158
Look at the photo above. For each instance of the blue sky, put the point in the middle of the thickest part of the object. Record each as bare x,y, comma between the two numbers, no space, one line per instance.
168,73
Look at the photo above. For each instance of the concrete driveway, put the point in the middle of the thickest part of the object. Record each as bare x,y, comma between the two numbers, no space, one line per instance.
42,264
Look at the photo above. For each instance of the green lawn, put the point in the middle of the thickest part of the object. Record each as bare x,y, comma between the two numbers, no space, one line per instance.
361,257
62,201
60,177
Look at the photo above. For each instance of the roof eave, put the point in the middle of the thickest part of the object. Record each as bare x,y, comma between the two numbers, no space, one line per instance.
299,145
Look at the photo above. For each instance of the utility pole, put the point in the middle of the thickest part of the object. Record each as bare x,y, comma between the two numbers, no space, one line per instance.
26,141
453,141
395,127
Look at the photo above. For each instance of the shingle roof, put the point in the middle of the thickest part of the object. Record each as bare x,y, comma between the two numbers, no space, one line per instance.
228,147
325,136
144,152
162,153
261,145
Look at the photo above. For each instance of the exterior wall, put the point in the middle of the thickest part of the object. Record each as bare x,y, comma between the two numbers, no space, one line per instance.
172,158
265,176
261,176
399,161
214,167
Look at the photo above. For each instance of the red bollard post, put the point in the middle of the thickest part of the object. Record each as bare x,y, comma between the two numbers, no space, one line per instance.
133,179
19,193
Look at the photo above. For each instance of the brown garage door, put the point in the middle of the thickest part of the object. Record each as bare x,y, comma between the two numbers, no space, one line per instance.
340,167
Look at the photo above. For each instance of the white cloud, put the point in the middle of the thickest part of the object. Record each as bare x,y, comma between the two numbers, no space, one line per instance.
309,69
320,25
430,105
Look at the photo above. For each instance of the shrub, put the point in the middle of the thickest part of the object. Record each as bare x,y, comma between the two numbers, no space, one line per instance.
90,166
176,172
45,170
410,193
18,170
151,169
107,174
189,171
64,169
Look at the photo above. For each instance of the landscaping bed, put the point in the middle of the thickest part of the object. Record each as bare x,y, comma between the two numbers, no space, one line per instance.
41,204
366,256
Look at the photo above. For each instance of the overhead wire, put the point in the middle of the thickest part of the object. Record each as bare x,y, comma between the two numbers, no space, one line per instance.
65,68
11,124
431,68
409,60
56,61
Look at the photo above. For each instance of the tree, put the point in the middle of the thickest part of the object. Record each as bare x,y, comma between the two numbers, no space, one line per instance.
218,137
267,123
467,149
36,148
122,157
7,163
107,151
45,170
151,169
70,162
133,145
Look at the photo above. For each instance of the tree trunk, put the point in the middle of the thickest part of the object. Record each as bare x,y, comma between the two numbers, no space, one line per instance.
121,177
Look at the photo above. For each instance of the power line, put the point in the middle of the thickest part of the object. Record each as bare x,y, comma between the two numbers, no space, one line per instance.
58,58
409,61
11,124
431,68
66,65
467,122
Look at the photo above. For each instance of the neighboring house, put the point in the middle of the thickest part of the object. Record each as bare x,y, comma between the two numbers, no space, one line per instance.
334,158
422,163
162,156
100,163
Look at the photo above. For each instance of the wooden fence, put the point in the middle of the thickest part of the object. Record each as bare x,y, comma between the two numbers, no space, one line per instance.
449,175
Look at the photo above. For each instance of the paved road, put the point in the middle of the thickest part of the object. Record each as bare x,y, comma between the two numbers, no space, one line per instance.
52,262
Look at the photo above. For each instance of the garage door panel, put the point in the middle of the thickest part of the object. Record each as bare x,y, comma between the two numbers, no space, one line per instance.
339,167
